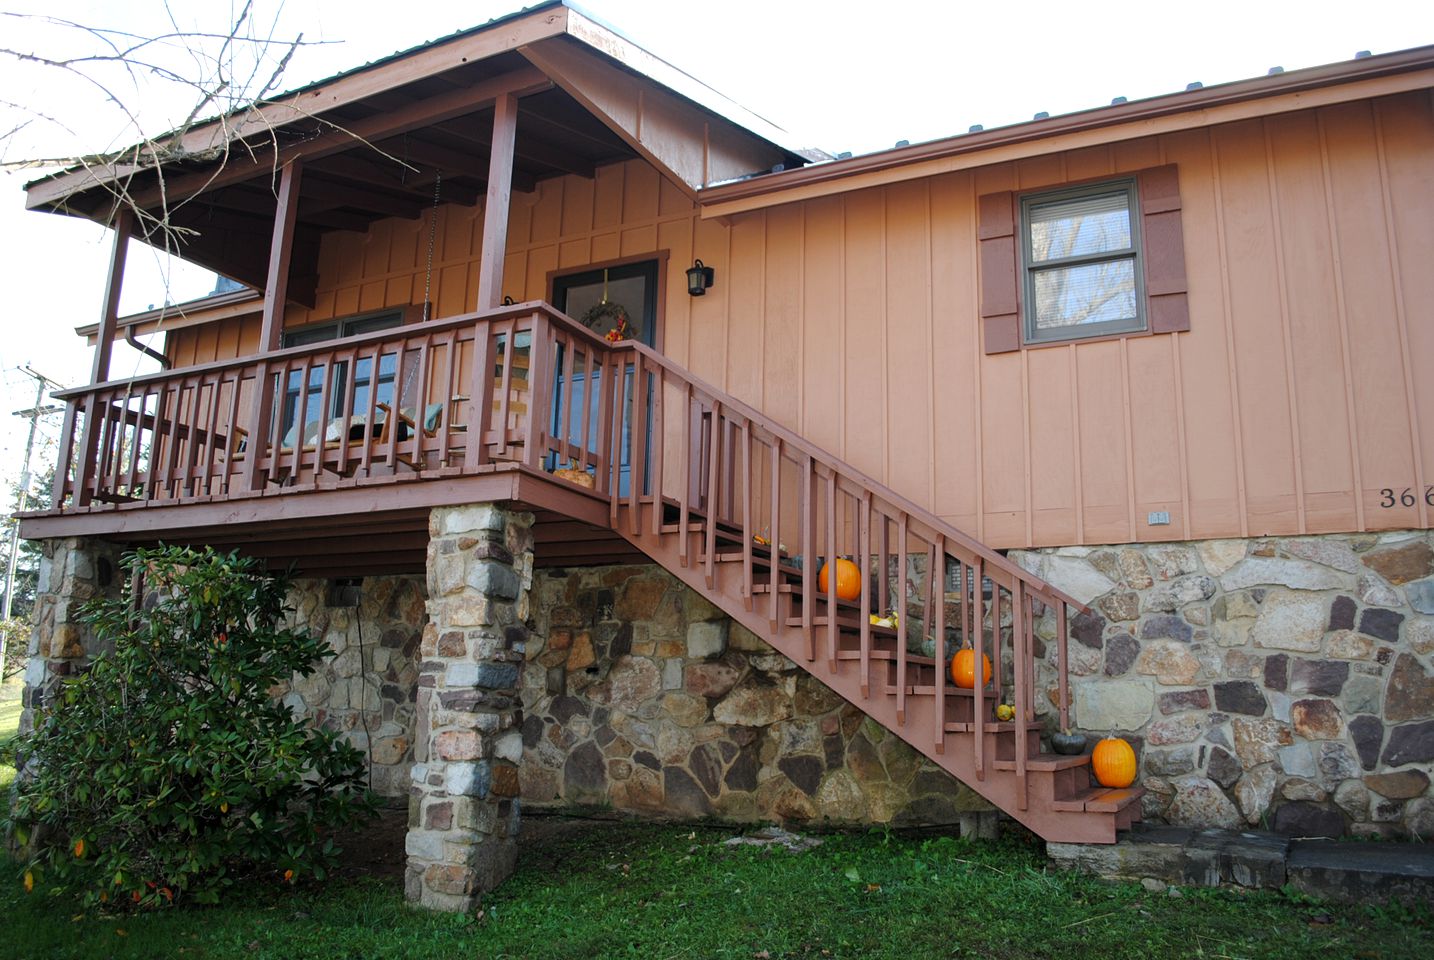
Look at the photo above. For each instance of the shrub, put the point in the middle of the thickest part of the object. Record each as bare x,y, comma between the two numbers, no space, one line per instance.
166,770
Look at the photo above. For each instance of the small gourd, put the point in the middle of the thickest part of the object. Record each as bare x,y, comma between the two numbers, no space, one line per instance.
1114,763
848,579
963,668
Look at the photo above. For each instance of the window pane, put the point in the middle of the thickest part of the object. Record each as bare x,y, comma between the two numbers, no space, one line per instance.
1080,226
353,328
1089,293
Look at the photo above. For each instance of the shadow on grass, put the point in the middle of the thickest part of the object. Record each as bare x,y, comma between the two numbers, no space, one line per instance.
629,890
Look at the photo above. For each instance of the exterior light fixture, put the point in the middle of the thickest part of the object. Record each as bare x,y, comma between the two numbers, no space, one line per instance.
699,278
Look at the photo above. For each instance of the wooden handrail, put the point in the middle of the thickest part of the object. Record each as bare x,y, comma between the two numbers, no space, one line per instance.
856,480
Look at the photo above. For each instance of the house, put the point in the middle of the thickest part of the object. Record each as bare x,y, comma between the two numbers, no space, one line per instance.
580,375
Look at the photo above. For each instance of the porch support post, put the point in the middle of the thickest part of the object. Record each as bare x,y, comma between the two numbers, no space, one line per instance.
281,248
99,372
463,807
114,281
495,209
276,295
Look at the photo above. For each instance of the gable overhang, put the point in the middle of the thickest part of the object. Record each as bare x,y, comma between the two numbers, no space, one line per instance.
1360,79
390,138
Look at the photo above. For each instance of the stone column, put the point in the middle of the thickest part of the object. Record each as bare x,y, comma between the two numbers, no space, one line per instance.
463,805
72,571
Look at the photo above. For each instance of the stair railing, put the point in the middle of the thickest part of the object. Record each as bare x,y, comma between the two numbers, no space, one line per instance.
766,497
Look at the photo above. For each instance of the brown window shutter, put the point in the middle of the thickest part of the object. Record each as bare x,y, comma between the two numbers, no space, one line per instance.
1164,249
1000,272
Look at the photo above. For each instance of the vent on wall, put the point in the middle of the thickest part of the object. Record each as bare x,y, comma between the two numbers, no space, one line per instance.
345,592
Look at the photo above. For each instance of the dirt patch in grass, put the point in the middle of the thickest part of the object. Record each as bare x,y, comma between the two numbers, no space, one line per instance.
376,849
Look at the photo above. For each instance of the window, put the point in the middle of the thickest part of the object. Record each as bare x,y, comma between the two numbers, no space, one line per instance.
1082,271
1092,260
363,373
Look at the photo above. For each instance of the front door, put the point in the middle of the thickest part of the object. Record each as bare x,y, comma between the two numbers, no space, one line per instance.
600,298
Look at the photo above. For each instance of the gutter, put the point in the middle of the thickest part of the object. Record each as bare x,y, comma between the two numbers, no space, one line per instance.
91,330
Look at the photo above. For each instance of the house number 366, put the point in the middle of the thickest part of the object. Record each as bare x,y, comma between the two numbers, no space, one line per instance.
1388,499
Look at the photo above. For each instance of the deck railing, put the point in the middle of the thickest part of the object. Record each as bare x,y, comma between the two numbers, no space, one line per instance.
527,385
449,396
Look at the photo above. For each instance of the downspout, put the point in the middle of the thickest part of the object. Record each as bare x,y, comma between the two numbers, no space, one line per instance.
145,348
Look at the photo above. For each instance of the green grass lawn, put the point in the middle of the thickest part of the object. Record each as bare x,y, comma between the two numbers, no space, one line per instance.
9,721
655,892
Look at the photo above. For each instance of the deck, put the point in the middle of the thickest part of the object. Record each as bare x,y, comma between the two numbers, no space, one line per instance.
328,458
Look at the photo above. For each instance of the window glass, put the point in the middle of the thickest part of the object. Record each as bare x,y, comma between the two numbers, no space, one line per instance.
303,413
1074,228
631,286
1088,293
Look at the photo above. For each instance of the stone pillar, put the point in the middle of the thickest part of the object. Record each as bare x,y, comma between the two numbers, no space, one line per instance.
72,571
463,805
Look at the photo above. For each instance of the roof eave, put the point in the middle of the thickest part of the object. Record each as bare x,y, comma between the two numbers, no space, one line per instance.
723,199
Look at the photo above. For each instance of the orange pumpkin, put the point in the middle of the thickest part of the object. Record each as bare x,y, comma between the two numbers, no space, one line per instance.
1114,762
848,585
963,668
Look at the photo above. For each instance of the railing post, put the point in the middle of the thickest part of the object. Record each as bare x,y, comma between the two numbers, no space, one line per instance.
541,384
938,550
978,629
808,557
62,457
480,397
1020,652
1065,679
864,558
774,534
713,465
902,618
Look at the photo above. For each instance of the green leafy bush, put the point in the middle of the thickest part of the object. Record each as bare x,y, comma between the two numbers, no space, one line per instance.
166,771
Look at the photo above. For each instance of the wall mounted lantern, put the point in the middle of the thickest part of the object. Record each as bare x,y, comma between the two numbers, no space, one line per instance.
699,278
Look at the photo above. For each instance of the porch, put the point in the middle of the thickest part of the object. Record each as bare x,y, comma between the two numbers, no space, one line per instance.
328,458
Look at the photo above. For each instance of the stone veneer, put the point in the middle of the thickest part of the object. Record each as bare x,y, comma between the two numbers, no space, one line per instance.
642,697
463,808
1279,681
366,691
72,571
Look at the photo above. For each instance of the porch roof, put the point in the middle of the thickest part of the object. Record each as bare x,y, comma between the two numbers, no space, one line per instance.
393,137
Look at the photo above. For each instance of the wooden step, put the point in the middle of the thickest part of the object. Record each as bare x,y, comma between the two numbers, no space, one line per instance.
1100,799
677,528
991,726
1045,761
912,659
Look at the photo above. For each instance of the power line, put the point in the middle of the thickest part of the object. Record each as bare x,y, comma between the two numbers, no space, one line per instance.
22,495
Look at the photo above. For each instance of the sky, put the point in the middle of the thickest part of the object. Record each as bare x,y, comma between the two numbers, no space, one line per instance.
843,77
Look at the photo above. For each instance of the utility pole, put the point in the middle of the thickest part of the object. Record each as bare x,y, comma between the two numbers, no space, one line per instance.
21,496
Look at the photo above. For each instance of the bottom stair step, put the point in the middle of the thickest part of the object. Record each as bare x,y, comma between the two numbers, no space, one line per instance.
1100,799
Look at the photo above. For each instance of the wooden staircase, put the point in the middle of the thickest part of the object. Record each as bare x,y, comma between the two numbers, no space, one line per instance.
1050,794
744,512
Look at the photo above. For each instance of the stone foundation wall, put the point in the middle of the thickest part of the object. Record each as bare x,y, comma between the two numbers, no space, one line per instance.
72,572
1285,682
641,696
366,692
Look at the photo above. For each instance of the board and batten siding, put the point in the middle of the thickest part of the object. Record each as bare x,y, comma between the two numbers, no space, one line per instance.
1303,389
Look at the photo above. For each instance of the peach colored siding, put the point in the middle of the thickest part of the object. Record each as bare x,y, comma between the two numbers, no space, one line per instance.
1304,386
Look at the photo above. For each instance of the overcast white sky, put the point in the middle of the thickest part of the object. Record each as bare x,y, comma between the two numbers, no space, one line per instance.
841,76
